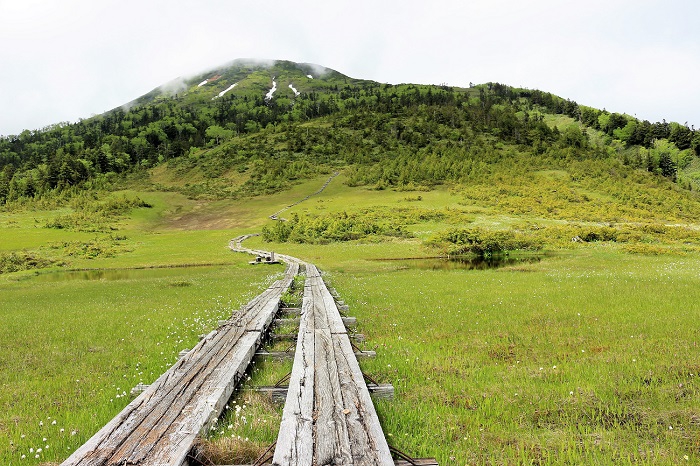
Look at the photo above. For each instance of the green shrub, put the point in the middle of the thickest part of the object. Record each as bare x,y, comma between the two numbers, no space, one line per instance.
482,242
94,216
16,261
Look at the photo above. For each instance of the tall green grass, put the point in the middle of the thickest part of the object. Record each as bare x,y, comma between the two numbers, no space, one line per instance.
72,350
586,357
581,359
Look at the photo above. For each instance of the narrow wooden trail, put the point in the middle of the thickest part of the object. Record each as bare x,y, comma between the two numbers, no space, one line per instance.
328,418
275,216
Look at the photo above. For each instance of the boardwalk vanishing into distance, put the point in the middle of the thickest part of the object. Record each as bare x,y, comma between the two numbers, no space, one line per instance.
276,216
328,417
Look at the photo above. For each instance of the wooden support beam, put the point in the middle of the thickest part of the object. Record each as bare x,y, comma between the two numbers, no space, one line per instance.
347,321
290,310
358,337
282,355
383,391
417,462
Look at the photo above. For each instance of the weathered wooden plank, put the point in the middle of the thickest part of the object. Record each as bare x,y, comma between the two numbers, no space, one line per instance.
346,428
295,439
319,311
266,310
199,415
143,439
325,302
101,447
335,320
305,319
331,441
369,445
362,445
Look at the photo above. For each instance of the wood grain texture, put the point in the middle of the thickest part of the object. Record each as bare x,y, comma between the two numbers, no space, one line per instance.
295,439
331,441
345,428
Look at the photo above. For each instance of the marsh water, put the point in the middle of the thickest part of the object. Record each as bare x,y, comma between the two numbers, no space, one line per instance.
116,274
424,263
463,262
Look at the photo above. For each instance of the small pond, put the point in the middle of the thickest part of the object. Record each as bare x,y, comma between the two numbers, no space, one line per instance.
463,262
116,274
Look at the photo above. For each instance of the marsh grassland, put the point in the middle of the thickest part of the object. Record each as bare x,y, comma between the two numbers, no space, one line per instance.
586,356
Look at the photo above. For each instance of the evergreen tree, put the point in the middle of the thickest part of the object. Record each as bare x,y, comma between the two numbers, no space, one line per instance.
667,166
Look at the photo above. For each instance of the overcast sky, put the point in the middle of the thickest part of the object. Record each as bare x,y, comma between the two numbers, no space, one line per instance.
61,60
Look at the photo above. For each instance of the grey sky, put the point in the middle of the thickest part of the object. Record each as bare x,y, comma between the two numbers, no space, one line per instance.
61,60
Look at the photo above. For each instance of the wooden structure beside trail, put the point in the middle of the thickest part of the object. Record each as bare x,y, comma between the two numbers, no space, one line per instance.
160,426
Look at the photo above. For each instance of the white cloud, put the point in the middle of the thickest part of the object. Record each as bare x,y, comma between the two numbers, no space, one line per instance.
66,60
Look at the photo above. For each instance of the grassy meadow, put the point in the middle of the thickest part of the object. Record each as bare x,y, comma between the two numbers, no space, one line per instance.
588,356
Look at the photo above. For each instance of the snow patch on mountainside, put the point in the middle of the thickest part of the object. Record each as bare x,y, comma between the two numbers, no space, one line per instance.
268,96
221,94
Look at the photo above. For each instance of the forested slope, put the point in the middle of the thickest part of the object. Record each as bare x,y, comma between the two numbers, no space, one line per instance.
250,128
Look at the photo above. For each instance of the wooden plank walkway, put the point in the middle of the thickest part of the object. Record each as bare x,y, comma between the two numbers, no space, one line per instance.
275,216
328,417
159,427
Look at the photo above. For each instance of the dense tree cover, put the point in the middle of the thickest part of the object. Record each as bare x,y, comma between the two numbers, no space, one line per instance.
405,135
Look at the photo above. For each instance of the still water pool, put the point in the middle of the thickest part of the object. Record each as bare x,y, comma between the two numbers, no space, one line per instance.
118,274
463,262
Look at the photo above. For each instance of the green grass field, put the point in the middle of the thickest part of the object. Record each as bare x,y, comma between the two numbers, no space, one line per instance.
588,356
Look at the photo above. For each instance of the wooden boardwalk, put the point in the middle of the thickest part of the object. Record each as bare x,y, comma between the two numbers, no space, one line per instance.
160,426
275,216
328,417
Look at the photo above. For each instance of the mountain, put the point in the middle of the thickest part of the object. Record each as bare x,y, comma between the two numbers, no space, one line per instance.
251,77
252,127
